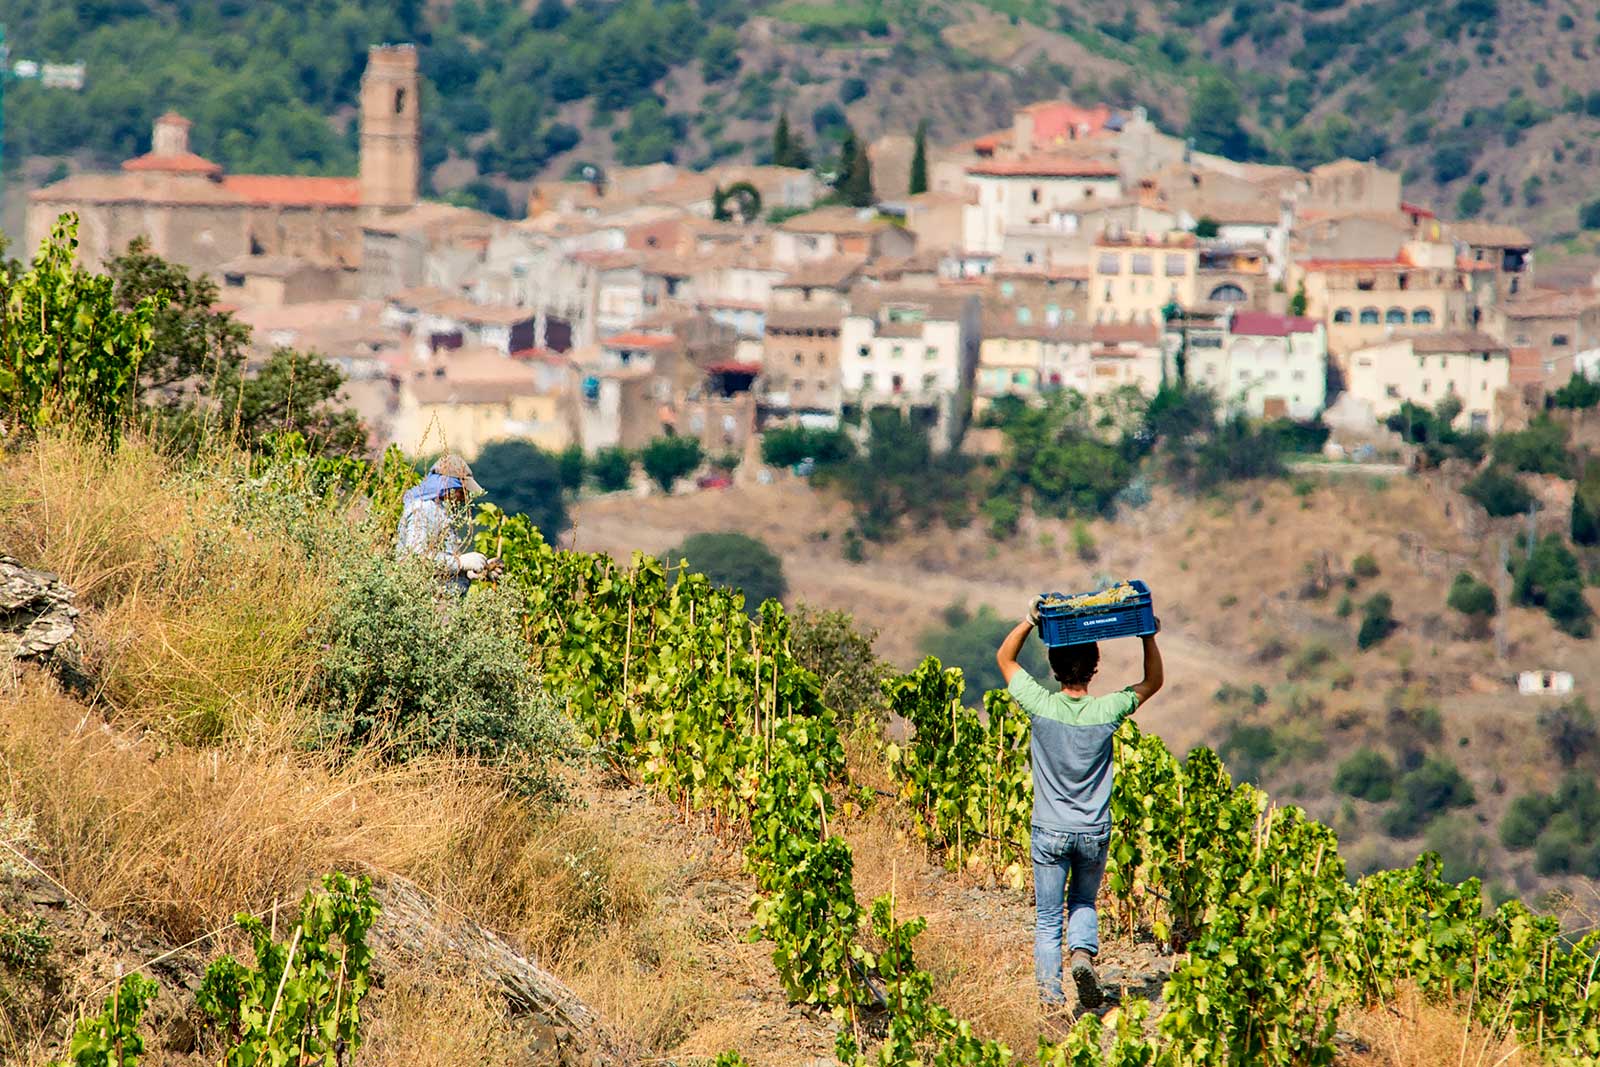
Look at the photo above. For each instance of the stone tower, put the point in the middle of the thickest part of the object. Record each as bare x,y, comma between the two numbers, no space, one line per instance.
391,129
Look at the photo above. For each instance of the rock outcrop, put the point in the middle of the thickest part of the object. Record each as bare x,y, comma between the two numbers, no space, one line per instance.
38,621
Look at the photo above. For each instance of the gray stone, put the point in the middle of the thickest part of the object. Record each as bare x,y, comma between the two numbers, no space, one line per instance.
38,620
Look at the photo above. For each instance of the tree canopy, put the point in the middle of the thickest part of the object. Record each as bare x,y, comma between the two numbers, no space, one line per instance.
735,560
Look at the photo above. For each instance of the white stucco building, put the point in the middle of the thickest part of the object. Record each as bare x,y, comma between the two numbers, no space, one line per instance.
911,349
1424,368
1039,193
1264,365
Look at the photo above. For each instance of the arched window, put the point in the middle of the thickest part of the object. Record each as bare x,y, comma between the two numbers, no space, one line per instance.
1369,316
1422,317
1342,315
1395,315
1228,294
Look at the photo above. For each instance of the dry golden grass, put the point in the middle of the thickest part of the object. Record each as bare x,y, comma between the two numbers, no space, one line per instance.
196,623
1411,1032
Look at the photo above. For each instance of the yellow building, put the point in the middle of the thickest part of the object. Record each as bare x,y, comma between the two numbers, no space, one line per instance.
1133,278
471,398
1424,368
1364,301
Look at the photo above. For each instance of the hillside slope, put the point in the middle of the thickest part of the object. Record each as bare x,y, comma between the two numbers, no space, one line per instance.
1496,96
1231,578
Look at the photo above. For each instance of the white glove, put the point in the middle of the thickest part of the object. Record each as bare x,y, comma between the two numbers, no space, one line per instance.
472,562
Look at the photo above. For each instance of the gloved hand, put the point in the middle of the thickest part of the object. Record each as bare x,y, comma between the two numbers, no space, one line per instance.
472,562
1033,610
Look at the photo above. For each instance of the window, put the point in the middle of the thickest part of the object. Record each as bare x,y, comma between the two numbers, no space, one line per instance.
1024,316
1033,194
1052,314
1342,315
1228,293
931,353
1426,386
822,386
1392,392
1177,266
1558,340
1018,378
1141,263
1422,317
930,382
798,359
897,382
822,359
1110,263
1006,289
897,351
1395,315
1365,284
1369,316
1522,339
1298,376
399,101
233,281
866,380
864,351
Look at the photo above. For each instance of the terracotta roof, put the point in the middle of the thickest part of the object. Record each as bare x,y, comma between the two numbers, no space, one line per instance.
181,163
486,314
835,273
804,319
137,188
1490,235
637,340
429,215
1353,264
1444,342
1142,333
1417,209
1045,167
733,366
295,190
604,260
1240,213
1267,324
422,298
938,306
1004,327
834,220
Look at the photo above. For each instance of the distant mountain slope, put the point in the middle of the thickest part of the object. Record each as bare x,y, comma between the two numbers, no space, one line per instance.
1490,106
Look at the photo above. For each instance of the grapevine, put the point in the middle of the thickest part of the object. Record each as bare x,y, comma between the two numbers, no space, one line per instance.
710,708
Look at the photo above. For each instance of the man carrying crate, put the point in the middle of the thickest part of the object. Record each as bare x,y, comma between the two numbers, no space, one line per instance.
1072,779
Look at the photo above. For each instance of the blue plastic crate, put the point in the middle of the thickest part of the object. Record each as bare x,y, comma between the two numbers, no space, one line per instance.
1134,617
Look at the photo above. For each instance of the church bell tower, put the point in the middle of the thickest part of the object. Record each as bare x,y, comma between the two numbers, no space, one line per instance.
391,129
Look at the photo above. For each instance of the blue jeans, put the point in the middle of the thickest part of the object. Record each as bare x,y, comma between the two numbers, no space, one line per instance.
1056,856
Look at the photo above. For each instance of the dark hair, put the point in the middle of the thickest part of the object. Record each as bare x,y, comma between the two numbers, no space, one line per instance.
1075,664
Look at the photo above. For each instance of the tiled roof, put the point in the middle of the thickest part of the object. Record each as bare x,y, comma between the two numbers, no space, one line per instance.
295,190
1490,235
835,273
637,340
1267,324
804,319
182,163
1444,342
1353,264
137,188
1045,167
1141,333
834,220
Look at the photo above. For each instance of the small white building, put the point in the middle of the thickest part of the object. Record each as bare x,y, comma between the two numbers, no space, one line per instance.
1016,195
1424,368
1266,366
911,349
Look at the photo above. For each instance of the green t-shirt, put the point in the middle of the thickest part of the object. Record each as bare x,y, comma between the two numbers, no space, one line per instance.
1071,753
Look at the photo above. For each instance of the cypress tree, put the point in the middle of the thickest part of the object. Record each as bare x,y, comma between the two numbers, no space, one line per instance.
856,189
919,161
781,146
1585,523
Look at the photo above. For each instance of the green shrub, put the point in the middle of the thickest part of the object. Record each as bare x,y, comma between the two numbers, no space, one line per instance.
1248,750
968,640
829,645
1580,390
571,465
1525,820
1570,729
666,459
1366,775
1550,577
1364,566
737,561
1424,794
1377,621
411,669
611,469
1541,448
1471,597
785,446
1500,492
519,477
